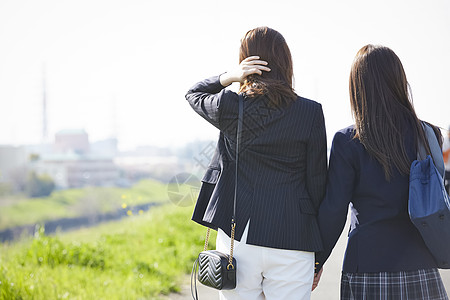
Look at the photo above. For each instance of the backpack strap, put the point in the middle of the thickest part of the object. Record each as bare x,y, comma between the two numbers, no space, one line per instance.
436,151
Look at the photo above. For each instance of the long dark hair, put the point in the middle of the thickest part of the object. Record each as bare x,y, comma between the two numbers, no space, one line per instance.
270,46
381,104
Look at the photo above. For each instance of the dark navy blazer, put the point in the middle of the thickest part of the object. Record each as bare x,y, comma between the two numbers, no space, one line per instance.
382,237
282,168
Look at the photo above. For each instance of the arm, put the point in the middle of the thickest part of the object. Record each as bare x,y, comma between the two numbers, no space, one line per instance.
316,162
206,96
333,210
316,279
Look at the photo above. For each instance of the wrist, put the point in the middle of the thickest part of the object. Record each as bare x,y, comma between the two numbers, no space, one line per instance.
226,79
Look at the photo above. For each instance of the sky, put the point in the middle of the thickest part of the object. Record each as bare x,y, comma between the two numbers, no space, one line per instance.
121,68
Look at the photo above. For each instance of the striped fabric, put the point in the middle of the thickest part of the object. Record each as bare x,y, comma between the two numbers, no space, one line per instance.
409,285
282,168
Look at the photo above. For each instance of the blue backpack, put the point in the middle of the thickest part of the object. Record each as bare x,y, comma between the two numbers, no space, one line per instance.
429,205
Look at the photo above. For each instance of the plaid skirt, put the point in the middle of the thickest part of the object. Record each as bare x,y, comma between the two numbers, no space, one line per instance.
409,285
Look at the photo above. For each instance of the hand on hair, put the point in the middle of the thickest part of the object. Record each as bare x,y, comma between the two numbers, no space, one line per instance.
250,65
316,279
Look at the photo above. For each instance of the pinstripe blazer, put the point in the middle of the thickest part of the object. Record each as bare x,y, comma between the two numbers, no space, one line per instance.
282,168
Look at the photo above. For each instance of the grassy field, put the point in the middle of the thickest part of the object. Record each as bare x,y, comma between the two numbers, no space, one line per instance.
140,257
16,211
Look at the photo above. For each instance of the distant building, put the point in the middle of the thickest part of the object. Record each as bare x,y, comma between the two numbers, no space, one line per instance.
72,170
74,162
72,140
11,158
147,162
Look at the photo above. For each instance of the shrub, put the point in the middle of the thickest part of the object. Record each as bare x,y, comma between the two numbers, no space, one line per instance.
39,185
47,250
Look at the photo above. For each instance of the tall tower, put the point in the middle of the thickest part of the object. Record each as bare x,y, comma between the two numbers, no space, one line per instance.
114,127
44,107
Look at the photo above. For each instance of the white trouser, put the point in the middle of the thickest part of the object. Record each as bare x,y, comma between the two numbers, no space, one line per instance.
268,273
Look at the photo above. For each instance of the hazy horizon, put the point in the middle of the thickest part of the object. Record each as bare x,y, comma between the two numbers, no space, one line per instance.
121,68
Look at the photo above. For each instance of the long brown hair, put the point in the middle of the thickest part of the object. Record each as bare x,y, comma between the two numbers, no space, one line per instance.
381,104
270,46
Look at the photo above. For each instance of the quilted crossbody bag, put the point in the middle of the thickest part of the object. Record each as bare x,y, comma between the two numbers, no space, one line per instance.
217,269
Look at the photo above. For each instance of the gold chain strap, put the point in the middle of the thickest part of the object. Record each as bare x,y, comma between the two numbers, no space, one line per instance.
230,261
207,239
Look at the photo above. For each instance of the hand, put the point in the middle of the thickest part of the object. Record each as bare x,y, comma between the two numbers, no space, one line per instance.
250,65
316,279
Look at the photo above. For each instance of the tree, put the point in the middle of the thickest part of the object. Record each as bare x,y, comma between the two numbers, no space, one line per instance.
39,185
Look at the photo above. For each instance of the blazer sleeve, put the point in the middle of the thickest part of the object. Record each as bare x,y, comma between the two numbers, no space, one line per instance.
206,97
339,192
316,160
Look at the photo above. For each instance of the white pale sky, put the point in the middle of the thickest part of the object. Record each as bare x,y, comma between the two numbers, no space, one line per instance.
122,67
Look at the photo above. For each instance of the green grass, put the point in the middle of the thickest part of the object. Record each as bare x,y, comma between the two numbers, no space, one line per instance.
140,257
79,202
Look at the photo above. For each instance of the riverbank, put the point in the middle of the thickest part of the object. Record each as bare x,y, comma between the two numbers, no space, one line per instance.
65,224
74,208
140,257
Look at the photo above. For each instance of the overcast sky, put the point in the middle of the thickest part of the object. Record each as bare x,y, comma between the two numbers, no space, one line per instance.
122,68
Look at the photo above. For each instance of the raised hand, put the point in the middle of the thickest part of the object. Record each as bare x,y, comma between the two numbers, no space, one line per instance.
250,65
